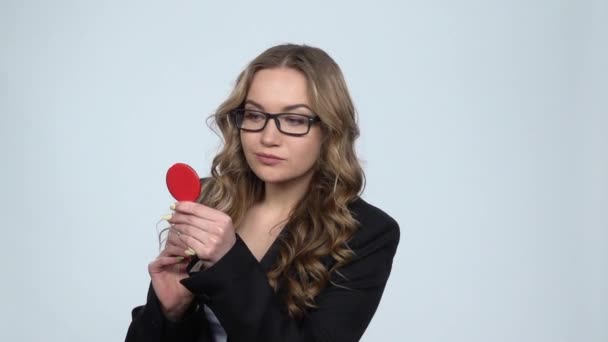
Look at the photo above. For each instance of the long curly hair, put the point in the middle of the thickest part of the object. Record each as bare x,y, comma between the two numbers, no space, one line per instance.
320,225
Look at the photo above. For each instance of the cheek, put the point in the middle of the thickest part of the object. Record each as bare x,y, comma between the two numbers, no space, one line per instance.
308,153
245,141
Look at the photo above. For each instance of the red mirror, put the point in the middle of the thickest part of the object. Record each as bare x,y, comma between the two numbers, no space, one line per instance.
183,182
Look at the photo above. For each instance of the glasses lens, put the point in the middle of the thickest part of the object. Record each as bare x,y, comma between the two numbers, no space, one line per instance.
249,120
294,123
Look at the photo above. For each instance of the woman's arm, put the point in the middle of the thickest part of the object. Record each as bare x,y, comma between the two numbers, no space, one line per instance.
236,289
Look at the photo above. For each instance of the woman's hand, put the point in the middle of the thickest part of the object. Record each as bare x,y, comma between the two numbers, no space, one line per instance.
207,231
166,271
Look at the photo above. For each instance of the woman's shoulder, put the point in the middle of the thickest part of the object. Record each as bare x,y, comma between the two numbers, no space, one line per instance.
375,225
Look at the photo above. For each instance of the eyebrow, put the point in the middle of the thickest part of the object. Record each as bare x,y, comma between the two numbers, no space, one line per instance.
286,108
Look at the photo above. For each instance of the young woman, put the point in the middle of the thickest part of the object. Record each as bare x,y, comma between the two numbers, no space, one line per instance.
283,248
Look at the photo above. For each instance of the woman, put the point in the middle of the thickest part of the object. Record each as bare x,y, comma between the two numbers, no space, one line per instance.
282,246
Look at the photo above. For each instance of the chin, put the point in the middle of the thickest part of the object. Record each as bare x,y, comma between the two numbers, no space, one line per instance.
277,176
272,177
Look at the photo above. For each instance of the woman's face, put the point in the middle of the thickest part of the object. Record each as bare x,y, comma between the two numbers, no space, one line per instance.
280,90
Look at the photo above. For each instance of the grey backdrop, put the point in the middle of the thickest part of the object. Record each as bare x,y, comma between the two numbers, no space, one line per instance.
484,133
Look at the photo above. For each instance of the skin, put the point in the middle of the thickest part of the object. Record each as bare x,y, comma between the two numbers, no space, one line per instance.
210,233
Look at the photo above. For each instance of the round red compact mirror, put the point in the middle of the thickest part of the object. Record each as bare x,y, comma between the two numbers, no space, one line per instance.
183,182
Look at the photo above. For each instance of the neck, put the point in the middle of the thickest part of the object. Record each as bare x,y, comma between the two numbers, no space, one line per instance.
281,198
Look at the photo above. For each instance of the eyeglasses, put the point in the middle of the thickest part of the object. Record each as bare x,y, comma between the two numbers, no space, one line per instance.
250,120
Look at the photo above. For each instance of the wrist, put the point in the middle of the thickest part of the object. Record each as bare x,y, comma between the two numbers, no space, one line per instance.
176,313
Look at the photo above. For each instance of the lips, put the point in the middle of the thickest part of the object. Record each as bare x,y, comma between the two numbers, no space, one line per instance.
268,159
269,156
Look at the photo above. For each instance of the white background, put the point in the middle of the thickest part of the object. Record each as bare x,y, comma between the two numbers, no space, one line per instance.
484,134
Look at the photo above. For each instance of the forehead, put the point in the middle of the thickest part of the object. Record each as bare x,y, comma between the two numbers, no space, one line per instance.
278,87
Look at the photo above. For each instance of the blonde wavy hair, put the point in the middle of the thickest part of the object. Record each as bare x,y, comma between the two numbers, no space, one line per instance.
320,225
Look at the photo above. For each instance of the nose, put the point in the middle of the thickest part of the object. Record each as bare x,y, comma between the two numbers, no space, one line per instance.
271,134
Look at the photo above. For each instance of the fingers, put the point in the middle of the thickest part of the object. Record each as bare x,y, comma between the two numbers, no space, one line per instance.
172,250
207,232
173,238
200,210
192,220
196,245
161,262
183,232
206,251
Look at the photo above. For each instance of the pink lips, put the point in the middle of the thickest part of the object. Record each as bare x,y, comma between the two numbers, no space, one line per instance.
268,159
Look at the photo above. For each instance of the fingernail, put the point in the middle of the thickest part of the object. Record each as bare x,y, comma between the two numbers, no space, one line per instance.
166,217
190,252
180,258
172,206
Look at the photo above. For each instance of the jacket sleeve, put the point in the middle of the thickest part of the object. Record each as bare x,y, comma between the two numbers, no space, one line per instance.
237,290
149,324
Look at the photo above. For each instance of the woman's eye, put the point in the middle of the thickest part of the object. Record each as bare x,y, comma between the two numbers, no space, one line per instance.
253,116
295,120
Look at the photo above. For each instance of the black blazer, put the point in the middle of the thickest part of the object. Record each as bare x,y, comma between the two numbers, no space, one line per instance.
237,291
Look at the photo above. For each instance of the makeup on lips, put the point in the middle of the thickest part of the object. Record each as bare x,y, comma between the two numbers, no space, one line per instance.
268,159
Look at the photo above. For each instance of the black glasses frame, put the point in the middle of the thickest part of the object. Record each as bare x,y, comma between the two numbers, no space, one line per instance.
241,111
